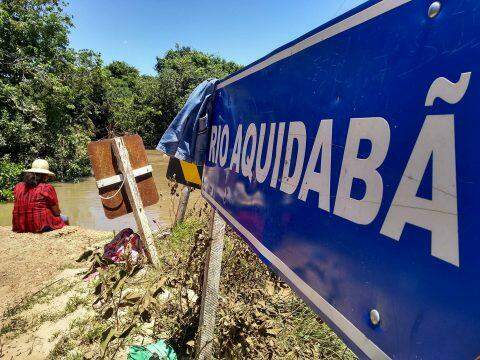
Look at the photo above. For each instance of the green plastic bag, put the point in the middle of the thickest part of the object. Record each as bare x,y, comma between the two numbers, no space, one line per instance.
159,350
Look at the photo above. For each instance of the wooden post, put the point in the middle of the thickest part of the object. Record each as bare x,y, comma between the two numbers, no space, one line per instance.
182,205
211,284
123,161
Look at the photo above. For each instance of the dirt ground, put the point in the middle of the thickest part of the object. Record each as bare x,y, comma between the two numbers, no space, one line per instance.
30,261
35,326
48,311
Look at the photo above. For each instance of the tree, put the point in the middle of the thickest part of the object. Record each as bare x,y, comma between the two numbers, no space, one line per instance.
183,68
147,104
54,100
122,70
179,72
48,96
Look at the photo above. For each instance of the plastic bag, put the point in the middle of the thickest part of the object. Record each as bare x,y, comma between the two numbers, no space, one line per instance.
159,350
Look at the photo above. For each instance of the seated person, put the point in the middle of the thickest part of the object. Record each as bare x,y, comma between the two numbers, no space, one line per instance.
36,204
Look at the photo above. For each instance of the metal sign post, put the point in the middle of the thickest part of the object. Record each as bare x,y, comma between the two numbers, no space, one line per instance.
182,204
131,189
211,284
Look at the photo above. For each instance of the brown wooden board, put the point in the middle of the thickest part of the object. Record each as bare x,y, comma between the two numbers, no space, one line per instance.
104,165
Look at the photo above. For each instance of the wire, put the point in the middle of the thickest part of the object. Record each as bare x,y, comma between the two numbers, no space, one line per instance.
115,193
339,8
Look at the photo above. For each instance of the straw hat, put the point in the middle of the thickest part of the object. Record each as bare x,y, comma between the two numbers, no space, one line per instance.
40,166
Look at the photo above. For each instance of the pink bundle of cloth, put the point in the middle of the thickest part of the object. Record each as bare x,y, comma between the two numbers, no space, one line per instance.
125,245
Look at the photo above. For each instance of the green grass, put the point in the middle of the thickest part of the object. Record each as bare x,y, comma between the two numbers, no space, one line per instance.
305,330
87,330
16,323
75,302
182,232
44,295
44,317
81,335
62,348
54,335
72,305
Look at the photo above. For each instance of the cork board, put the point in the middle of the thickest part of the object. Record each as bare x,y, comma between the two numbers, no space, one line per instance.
104,165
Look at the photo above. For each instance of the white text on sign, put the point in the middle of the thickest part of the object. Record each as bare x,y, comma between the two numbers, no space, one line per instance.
257,154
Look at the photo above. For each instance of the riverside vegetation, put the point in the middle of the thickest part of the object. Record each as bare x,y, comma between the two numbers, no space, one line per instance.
54,99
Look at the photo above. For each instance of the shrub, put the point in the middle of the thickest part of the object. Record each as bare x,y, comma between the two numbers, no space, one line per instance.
9,176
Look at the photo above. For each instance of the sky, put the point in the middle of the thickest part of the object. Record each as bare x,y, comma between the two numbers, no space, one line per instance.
136,31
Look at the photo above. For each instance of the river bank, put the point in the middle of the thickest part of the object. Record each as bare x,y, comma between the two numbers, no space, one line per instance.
29,261
50,313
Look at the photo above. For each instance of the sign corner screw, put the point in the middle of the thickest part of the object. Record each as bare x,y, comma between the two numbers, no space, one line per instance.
374,317
434,9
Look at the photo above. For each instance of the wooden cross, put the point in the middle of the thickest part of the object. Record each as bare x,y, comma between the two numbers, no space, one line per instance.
128,176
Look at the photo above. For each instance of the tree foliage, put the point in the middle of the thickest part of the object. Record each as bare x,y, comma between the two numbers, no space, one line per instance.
45,88
147,104
54,100
9,175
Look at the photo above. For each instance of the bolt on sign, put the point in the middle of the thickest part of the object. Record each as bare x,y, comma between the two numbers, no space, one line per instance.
348,159
184,173
110,179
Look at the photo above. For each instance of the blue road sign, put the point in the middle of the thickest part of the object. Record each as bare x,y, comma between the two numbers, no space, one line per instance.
347,160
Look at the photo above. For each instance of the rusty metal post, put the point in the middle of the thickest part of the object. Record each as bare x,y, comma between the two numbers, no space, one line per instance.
182,205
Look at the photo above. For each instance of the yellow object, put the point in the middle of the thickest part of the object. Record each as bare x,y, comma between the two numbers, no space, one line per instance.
190,172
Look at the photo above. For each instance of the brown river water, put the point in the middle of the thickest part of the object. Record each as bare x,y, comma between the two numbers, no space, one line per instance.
80,202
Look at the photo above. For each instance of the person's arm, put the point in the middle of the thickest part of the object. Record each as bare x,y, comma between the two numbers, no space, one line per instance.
55,210
52,200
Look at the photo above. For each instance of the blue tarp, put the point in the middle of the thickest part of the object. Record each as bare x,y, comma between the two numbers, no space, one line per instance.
187,136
